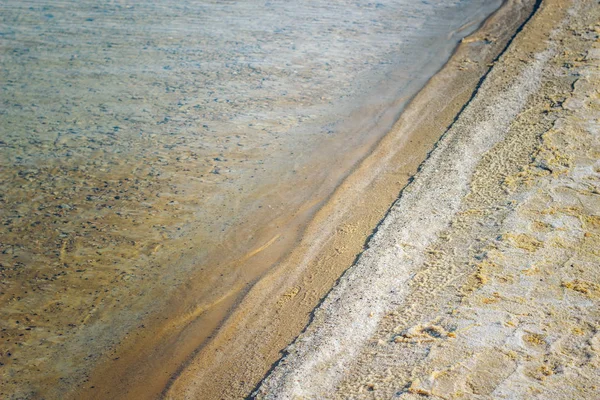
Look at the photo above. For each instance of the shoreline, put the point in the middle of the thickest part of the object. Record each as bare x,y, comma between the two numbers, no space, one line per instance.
189,322
119,217
339,250
187,337
482,279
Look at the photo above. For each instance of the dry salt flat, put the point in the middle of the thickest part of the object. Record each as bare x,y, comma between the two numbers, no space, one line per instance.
482,281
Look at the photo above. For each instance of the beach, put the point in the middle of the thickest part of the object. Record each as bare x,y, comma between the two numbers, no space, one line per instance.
482,280
399,203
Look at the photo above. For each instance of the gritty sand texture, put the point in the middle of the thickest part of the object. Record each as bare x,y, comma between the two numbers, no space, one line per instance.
482,281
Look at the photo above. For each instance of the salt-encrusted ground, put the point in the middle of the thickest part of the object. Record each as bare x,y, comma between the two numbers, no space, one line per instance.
483,280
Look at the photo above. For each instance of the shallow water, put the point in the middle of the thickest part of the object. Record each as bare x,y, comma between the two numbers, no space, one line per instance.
141,141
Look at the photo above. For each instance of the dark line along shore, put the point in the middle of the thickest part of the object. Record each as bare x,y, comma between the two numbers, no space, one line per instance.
366,246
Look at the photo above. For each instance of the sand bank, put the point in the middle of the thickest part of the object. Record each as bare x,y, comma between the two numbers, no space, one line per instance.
482,281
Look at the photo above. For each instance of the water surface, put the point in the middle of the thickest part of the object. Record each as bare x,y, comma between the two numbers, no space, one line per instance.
145,142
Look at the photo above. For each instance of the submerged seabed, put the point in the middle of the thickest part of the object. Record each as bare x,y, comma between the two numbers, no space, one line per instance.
140,139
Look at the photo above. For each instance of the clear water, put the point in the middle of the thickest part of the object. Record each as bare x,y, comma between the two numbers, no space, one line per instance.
131,129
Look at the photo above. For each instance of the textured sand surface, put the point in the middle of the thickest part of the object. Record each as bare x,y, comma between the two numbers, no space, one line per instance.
482,281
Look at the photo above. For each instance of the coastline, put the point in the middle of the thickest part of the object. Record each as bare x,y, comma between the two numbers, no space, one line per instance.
126,191
482,280
136,356
249,342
